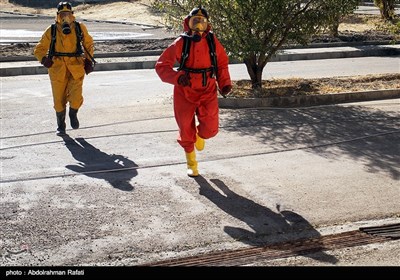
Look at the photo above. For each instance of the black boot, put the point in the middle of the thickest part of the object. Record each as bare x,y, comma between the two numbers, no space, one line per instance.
73,118
60,123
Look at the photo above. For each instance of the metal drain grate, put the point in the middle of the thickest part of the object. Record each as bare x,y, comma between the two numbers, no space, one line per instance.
390,231
363,236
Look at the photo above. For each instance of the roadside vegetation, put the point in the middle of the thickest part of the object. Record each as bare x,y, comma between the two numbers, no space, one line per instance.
254,47
299,86
255,31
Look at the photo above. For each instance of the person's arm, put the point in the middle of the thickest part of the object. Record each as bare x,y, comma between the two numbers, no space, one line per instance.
166,61
88,42
224,79
42,47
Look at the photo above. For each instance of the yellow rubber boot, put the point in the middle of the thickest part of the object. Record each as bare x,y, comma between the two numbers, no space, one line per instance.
200,142
191,164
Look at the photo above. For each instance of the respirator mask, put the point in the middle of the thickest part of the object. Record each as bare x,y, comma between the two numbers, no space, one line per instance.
198,25
198,22
65,24
64,16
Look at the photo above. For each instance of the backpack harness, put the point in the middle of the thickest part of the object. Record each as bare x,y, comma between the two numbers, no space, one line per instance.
79,37
213,56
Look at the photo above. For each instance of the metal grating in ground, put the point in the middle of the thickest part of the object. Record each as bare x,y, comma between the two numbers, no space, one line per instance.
391,231
363,236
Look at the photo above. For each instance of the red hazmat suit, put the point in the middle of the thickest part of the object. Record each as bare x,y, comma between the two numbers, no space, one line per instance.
195,100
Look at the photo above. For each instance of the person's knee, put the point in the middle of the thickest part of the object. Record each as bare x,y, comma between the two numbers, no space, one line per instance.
59,103
208,132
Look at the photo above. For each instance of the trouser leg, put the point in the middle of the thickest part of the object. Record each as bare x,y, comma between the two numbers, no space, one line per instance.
185,118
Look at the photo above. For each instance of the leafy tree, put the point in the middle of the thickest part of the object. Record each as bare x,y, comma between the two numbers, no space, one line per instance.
391,23
253,31
343,8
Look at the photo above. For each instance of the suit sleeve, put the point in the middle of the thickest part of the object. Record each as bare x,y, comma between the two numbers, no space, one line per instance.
224,78
166,62
88,42
43,45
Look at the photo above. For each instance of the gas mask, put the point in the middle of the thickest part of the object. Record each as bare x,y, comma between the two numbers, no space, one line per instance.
66,21
65,16
66,29
198,24
196,37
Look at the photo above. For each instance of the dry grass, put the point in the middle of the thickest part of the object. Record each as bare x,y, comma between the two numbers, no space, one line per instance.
359,23
298,86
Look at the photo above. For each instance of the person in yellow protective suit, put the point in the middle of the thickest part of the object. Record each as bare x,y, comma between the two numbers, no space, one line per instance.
60,50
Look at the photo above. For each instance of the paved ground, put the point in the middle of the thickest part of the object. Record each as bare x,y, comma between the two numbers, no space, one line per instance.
115,192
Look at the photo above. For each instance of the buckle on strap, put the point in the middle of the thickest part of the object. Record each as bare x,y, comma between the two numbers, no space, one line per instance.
66,54
198,70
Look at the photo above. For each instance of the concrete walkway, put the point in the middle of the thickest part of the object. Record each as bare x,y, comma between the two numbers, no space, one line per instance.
147,60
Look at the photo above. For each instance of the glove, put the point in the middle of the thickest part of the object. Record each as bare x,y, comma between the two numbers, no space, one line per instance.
226,90
184,80
47,62
89,67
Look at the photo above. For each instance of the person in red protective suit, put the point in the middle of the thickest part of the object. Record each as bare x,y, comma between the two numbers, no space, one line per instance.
60,50
196,83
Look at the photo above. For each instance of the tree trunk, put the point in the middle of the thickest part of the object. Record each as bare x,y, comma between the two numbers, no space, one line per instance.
388,9
334,28
255,72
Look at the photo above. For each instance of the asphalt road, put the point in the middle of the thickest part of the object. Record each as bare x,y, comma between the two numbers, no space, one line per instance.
115,192
142,86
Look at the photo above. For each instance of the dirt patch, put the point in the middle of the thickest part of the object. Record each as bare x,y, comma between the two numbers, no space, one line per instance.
297,86
126,11
120,46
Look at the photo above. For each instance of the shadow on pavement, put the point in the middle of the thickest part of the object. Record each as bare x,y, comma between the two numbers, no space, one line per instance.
92,162
365,136
262,220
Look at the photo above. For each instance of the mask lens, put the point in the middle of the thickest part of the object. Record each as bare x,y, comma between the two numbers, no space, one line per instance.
198,23
65,14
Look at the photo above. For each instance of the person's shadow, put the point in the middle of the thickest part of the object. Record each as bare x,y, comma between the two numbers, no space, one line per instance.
263,221
115,169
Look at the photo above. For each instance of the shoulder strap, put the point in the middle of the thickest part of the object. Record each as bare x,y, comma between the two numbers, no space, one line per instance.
53,40
79,42
79,37
185,51
213,54
211,47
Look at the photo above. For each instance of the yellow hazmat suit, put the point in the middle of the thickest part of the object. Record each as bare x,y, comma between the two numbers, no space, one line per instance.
66,72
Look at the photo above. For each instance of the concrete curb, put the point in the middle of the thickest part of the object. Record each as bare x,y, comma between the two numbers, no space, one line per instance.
308,100
158,52
136,60
148,62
